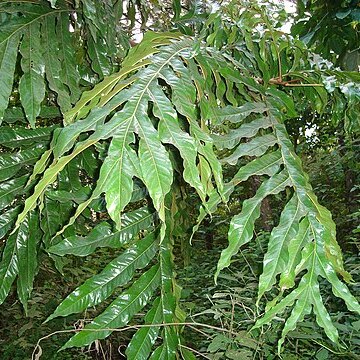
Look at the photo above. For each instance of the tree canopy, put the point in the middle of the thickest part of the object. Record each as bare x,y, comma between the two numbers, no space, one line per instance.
107,143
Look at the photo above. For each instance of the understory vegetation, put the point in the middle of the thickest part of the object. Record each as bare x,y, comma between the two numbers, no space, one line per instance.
179,179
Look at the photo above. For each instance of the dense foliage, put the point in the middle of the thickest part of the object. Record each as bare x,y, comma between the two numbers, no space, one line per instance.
123,153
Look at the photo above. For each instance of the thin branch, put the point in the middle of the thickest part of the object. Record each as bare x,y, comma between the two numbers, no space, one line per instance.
35,355
292,83
200,331
195,351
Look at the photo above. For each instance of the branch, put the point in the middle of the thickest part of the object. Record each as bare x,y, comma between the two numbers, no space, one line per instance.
38,351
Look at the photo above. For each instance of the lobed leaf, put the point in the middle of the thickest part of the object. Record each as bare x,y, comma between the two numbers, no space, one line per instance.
7,220
170,132
246,130
238,114
277,255
242,225
256,147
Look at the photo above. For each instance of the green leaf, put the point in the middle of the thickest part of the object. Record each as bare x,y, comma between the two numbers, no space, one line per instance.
10,189
11,163
246,130
283,102
113,84
103,236
143,340
277,256
117,273
7,220
53,215
9,263
53,62
15,25
238,114
322,316
120,311
170,132
338,288
255,147
48,178
31,85
16,137
100,61
134,113
287,278
242,225
301,308
267,164
16,114
64,138
155,165
116,174
26,252
304,191
187,354
8,54
285,302
167,298
68,72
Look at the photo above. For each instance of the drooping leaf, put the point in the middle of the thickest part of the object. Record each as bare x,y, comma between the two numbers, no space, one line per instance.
255,147
143,340
120,311
119,174
26,252
170,132
118,272
242,225
68,70
11,163
8,53
103,236
31,85
9,189
155,165
16,137
7,220
277,257
8,265
53,63
246,130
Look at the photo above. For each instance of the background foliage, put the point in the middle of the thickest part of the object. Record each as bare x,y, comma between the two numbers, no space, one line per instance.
115,156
